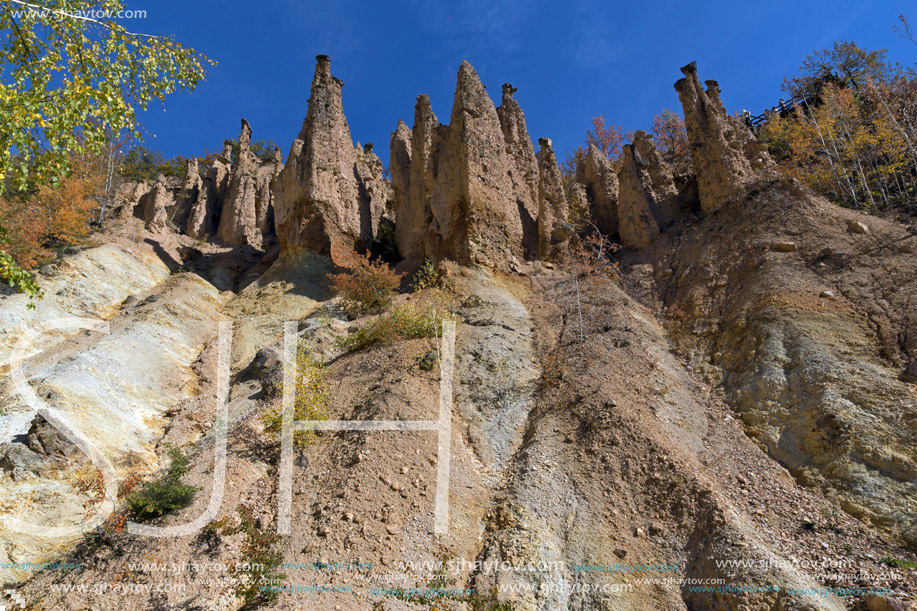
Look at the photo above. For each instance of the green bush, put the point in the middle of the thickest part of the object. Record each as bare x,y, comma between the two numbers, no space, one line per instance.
258,574
427,277
166,494
140,163
311,397
402,322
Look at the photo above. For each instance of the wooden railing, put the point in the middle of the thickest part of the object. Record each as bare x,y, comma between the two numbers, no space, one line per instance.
783,108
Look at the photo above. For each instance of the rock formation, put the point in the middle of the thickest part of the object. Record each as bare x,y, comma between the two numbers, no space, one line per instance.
266,174
153,207
595,172
190,192
321,203
664,201
725,154
577,201
476,218
525,174
636,222
205,211
553,229
413,214
239,217
131,199
472,190
400,162
648,199
376,193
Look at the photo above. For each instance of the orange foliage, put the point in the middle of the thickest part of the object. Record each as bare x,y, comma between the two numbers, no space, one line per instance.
368,287
672,139
607,139
49,218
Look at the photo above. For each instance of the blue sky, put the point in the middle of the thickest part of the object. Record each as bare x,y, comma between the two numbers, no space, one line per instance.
570,60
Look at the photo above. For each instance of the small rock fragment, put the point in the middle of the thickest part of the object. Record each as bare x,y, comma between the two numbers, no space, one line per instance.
784,246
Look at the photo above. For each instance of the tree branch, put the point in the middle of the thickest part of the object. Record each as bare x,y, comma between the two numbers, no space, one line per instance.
103,24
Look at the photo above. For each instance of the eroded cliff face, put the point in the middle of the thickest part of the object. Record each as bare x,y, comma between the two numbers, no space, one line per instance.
526,171
636,221
232,204
725,155
472,191
329,196
205,211
554,229
805,325
765,306
595,172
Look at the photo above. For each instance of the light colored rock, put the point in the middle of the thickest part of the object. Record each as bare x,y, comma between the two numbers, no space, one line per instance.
414,213
526,172
857,226
475,214
552,204
724,153
239,216
400,165
784,246
596,173
191,187
154,207
578,202
317,195
664,201
131,199
265,175
206,209
636,223
376,194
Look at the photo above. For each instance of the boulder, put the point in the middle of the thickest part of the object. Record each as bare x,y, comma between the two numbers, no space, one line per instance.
42,438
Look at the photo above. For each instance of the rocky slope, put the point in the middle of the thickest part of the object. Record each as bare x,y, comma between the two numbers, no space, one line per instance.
727,423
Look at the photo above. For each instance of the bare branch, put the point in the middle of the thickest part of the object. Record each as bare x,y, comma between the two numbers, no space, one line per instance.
904,30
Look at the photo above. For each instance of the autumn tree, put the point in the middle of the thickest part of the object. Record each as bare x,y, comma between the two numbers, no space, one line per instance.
52,217
854,146
672,140
70,77
607,139
844,64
